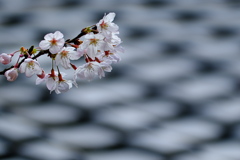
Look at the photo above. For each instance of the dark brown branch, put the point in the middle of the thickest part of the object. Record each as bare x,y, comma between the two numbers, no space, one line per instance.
35,57
42,52
83,32
2,72
75,40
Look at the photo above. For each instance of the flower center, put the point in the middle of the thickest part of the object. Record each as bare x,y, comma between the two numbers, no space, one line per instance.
104,25
53,41
64,54
31,64
90,67
94,41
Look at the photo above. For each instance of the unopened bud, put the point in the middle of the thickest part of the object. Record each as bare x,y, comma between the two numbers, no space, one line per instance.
11,74
5,58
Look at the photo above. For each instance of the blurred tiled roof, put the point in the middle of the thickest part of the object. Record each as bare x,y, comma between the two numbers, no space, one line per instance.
175,94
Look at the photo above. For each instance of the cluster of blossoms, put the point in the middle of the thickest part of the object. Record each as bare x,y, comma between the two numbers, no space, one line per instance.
99,45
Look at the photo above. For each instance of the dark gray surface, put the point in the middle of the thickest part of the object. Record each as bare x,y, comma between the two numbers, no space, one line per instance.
174,95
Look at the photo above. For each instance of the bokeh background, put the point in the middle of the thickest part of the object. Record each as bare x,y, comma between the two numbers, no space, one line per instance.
174,96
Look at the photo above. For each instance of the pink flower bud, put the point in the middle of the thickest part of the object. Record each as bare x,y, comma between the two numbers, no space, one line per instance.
5,58
11,74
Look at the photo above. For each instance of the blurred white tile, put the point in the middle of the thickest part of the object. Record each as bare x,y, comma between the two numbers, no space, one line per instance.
165,70
46,151
224,111
18,128
106,92
123,154
165,141
201,88
50,113
125,117
88,136
198,129
228,149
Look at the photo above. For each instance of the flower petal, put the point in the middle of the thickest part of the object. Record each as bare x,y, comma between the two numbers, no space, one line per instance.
44,45
55,49
29,72
48,36
22,67
58,35
109,17
51,84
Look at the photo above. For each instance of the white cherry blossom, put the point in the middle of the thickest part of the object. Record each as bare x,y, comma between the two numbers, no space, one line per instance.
104,67
30,67
53,41
87,71
109,57
50,80
81,52
54,82
65,55
92,69
106,26
113,39
93,43
63,86
99,45
51,83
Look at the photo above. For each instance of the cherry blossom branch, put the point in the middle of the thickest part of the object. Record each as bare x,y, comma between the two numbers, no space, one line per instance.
83,32
68,41
98,44
42,52
3,71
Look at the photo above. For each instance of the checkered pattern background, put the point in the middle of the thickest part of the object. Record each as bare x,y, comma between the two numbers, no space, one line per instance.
174,96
